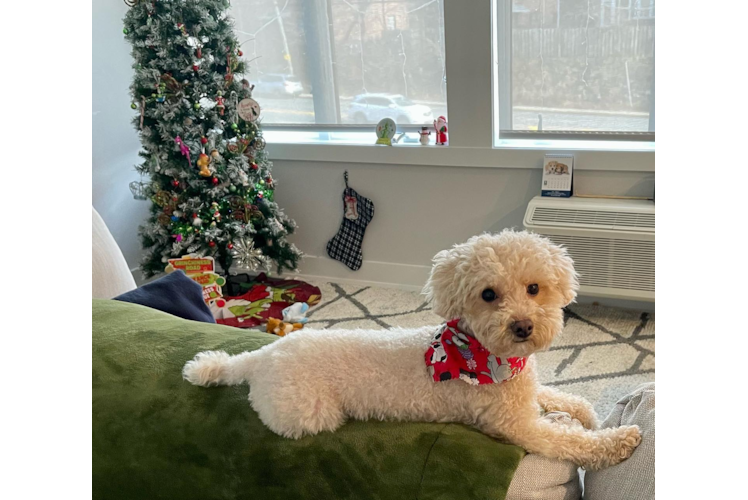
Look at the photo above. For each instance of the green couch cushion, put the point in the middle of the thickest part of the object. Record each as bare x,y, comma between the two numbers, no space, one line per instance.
157,436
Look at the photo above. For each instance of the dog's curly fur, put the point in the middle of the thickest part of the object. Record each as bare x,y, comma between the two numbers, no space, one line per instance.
312,380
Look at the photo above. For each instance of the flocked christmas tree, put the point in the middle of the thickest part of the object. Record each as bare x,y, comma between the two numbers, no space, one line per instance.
209,177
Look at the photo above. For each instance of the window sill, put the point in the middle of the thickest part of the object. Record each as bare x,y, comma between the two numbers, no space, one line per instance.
508,156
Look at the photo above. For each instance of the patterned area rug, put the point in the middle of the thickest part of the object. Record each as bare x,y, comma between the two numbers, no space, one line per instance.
602,355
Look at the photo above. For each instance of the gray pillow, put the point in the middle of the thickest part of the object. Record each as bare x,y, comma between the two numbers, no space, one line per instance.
634,477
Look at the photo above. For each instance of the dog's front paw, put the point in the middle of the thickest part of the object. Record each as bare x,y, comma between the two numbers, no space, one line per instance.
619,444
629,437
208,368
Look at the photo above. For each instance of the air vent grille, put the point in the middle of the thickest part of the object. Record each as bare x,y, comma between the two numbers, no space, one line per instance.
596,219
612,263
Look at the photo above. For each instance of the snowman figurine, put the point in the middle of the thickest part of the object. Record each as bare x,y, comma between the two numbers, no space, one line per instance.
425,133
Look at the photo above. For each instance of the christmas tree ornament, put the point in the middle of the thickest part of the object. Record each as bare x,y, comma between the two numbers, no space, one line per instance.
183,149
358,211
161,198
199,52
181,27
125,31
215,154
234,126
196,105
232,188
215,180
134,106
230,246
220,102
197,222
138,190
239,53
175,183
248,109
211,243
254,166
195,67
246,256
202,162
203,140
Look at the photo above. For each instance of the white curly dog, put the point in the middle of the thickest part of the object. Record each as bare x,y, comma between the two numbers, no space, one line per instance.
508,290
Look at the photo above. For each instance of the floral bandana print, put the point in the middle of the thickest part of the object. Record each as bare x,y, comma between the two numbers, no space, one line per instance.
454,354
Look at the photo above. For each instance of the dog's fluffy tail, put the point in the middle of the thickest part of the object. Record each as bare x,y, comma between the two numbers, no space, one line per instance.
218,368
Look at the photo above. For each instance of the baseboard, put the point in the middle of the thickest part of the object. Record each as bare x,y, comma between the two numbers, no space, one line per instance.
372,273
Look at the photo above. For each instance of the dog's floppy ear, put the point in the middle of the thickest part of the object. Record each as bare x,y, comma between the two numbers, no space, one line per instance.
566,277
440,288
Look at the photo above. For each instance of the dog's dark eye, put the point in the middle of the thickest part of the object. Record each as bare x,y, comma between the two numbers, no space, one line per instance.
488,295
533,289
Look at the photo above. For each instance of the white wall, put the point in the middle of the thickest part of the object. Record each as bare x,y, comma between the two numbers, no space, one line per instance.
419,210
115,141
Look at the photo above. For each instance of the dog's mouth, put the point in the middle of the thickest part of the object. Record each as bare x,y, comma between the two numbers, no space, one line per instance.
520,341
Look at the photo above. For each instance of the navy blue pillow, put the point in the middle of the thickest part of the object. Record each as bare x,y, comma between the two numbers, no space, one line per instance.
175,294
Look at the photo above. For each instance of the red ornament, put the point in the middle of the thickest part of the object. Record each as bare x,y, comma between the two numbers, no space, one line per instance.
259,195
255,166
175,183
269,180
194,216
215,180
211,243
203,140
195,67
230,246
239,53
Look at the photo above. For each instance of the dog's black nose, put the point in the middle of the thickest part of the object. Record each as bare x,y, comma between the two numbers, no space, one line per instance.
522,328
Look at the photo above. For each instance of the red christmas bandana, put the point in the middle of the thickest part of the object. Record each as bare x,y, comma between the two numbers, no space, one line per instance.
454,354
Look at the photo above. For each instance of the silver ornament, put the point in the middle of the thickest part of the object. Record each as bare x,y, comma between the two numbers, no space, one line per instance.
138,190
247,257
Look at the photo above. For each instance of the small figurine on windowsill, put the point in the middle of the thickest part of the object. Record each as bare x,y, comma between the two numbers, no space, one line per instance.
440,124
425,133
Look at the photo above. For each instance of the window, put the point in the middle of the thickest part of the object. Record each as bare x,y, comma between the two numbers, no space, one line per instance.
333,64
569,68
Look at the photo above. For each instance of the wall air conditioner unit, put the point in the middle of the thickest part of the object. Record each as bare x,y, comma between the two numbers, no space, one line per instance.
611,241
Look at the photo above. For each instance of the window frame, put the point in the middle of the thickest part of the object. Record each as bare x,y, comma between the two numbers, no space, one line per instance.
471,62
502,78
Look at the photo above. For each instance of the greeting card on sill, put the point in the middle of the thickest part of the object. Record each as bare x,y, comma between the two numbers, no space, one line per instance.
558,172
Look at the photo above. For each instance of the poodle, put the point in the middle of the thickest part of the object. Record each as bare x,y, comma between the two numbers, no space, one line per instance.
502,293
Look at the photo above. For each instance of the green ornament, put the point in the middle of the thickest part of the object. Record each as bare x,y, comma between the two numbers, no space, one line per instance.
133,105
262,182
234,126
153,95
232,188
125,31
197,105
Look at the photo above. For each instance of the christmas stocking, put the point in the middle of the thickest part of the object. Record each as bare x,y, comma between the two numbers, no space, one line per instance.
346,245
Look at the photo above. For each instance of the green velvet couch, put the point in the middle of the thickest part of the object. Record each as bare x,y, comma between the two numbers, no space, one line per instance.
157,436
